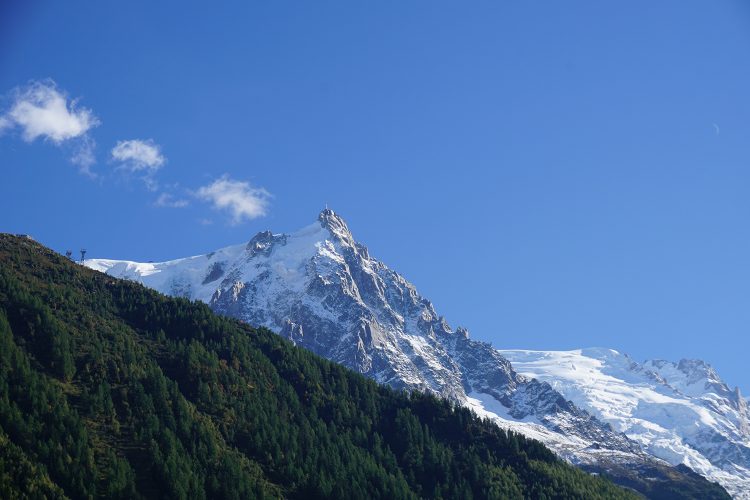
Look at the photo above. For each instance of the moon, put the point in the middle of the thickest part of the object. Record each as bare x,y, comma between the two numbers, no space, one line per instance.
716,127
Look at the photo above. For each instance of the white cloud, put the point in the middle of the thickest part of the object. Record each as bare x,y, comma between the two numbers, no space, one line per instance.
138,155
239,198
42,110
167,200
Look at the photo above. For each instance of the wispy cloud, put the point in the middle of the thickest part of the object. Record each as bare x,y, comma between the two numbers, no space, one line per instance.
83,155
239,198
42,110
170,201
138,156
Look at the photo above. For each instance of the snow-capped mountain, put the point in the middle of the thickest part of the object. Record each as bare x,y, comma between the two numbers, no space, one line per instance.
322,290
680,412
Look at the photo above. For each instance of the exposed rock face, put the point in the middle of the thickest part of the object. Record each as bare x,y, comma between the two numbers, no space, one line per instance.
322,290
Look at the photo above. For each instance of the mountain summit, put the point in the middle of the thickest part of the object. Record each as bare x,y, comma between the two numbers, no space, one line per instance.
322,290
335,225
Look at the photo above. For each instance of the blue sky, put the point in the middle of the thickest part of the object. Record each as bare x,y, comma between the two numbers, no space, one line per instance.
552,175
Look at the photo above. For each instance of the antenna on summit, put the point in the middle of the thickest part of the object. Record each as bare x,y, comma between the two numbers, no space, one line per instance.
83,254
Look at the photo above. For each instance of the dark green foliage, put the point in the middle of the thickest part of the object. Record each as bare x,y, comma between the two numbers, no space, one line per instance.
20,477
110,389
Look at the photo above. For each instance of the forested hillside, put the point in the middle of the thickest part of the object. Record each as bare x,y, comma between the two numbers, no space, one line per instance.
110,389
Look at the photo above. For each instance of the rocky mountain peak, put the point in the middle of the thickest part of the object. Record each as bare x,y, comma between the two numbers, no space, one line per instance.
263,242
690,376
336,225
698,369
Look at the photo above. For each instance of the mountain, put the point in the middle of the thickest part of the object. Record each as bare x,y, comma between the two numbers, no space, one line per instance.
681,412
109,389
322,290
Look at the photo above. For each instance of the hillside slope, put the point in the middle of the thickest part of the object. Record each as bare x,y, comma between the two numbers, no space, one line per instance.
108,388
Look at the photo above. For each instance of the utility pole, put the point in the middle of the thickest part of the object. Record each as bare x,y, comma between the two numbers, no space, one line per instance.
83,254
69,254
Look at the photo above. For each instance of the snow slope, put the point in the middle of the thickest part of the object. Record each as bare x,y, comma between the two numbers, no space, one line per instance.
680,412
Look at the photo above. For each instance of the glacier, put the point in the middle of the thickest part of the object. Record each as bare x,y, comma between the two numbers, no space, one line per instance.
680,412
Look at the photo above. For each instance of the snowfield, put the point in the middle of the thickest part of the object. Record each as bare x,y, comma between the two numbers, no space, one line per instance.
680,412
